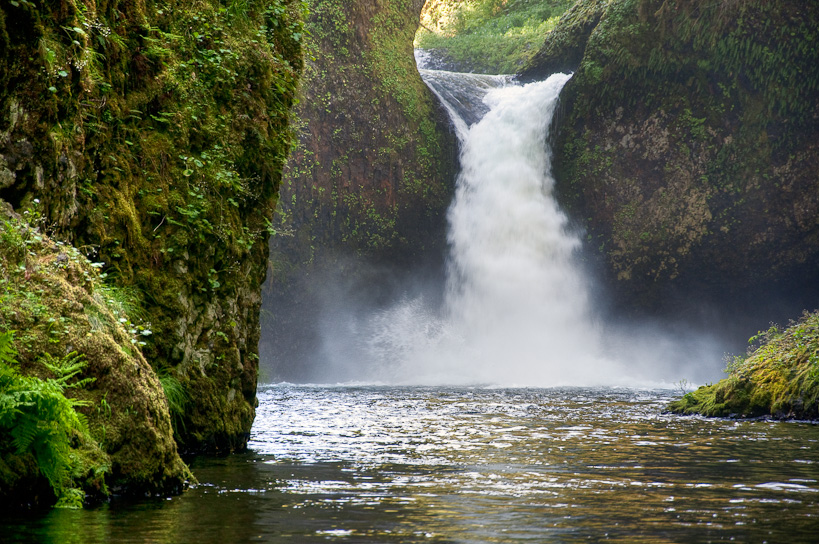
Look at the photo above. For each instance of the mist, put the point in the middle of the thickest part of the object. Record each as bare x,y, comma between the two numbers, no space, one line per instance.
515,305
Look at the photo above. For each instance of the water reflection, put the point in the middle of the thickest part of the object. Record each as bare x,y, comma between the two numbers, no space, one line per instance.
376,464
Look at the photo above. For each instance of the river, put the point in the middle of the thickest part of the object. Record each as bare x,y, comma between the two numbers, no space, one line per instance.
385,464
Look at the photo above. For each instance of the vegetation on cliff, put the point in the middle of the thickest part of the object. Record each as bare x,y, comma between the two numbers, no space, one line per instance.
370,169
39,422
372,174
153,134
566,42
486,36
81,411
688,143
780,378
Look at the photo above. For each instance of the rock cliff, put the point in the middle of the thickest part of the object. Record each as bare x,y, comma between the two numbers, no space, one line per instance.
372,174
152,135
688,145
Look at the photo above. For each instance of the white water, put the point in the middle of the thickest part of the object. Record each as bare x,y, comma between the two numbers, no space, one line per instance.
517,304
515,294
516,307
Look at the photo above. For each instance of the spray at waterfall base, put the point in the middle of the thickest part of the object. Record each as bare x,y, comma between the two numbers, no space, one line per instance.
515,308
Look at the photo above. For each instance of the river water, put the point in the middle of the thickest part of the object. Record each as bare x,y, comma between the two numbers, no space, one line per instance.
388,464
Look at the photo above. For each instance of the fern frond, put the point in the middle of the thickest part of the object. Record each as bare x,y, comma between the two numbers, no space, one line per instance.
40,420
24,432
7,351
64,368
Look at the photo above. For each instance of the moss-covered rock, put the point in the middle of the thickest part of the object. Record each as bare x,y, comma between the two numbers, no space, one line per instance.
566,43
61,310
374,167
153,132
778,379
688,143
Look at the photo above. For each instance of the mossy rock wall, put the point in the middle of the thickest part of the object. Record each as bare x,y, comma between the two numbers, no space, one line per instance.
374,168
370,172
689,143
153,132
59,307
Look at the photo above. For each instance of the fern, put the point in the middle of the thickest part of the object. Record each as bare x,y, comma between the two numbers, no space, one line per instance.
38,419
66,368
7,351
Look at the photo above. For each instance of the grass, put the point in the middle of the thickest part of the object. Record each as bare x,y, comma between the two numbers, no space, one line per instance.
178,398
488,36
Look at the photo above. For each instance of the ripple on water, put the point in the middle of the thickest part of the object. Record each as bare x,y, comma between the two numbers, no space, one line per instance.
565,462
471,465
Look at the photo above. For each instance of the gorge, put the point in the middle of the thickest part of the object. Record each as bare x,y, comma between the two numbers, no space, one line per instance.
686,178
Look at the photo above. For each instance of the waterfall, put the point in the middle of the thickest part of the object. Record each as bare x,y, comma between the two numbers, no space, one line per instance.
462,95
516,303
516,310
513,287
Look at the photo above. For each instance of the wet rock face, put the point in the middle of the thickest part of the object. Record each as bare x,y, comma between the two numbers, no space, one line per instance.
688,147
373,167
372,174
154,136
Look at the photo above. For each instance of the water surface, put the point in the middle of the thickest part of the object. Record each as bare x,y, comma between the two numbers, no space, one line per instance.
475,465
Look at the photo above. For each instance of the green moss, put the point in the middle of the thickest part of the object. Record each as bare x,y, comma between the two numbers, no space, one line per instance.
372,171
78,369
564,45
154,134
780,378
677,110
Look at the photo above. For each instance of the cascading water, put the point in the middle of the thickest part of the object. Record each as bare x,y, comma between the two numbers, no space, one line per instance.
516,304
516,308
515,292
